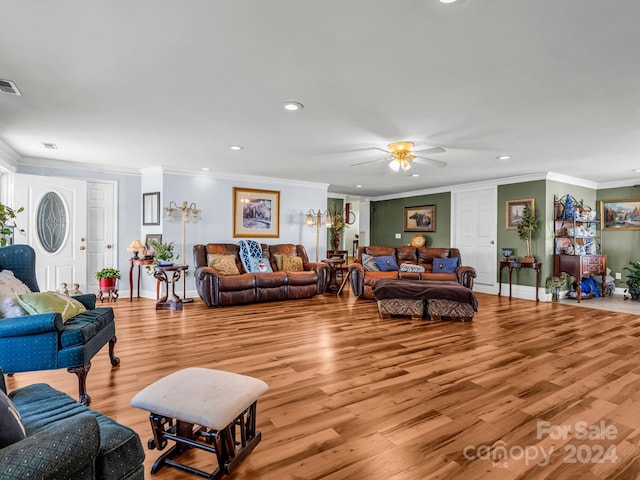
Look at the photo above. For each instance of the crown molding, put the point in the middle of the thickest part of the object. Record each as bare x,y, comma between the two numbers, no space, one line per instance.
579,182
67,165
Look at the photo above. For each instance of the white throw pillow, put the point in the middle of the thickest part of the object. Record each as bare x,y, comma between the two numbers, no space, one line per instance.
10,287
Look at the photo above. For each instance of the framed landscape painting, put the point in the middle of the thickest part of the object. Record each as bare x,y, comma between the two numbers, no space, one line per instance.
420,219
514,210
620,214
256,213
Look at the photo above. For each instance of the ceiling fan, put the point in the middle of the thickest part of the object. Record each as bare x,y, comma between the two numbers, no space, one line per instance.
403,155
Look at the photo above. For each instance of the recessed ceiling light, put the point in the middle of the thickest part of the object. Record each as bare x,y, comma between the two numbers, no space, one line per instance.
50,146
504,157
448,1
358,186
236,147
205,169
636,170
293,106
415,174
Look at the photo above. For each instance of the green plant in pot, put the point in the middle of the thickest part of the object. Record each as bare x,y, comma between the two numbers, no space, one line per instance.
107,277
633,280
555,283
164,253
526,227
8,223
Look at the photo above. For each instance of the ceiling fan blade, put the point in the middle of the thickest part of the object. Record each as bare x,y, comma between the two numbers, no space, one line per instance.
381,149
430,162
431,150
368,161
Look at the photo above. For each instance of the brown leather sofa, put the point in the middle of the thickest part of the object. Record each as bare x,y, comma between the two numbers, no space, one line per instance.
362,282
220,290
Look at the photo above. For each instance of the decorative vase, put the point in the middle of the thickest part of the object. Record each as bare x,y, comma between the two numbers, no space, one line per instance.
555,294
569,207
336,241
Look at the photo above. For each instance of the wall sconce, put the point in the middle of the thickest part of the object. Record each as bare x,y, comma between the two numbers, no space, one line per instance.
315,218
187,213
136,246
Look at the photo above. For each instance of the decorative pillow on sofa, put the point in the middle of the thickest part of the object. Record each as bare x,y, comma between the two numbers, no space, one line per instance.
445,265
280,260
369,264
10,286
292,263
260,265
410,267
224,264
386,264
43,302
11,428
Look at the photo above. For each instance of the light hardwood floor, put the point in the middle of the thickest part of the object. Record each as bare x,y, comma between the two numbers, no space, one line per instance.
356,397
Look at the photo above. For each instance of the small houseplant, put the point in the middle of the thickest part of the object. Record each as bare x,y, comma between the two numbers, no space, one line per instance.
554,284
107,277
633,280
8,223
164,252
526,226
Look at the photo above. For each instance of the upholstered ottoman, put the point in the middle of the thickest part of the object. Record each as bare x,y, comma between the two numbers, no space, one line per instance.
401,306
448,309
207,409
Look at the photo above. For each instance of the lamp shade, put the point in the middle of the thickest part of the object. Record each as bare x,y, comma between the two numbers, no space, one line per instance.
135,246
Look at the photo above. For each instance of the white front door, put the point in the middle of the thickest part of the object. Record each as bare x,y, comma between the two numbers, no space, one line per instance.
475,228
55,222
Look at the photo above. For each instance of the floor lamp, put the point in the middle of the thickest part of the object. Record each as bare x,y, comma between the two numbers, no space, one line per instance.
315,218
190,214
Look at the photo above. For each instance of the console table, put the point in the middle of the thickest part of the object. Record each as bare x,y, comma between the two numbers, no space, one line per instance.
169,275
136,262
511,266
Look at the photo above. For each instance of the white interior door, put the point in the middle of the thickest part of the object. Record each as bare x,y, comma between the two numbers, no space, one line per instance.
55,220
101,234
475,228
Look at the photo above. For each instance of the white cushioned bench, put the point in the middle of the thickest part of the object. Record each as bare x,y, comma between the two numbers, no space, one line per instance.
202,408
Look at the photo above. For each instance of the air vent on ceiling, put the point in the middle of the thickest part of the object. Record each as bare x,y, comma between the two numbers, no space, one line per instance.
50,146
7,86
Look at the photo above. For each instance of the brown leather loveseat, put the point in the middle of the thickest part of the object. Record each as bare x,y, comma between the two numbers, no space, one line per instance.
219,288
363,281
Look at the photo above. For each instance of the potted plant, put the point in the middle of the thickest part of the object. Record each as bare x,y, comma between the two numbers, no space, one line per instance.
526,226
8,223
633,280
164,253
554,284
107,277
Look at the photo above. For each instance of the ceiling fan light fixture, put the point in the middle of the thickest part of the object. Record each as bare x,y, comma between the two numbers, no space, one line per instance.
394,165
405,164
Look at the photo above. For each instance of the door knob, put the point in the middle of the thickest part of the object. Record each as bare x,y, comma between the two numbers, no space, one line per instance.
81,247
108,246
492,242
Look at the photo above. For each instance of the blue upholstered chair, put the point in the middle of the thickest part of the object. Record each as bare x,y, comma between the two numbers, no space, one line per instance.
43,341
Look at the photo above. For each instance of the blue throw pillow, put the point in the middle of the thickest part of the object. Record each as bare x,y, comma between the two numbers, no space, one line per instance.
445,265
386,264
11,428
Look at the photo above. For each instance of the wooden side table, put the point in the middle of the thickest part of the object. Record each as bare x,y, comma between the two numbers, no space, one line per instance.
511,265
169,275
136,262
335,266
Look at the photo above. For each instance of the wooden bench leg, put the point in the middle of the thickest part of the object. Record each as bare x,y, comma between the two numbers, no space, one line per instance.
82,372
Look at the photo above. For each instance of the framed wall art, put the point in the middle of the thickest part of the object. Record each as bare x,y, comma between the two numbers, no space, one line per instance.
620,214
152,237
420,219
151,208
256,213
514,210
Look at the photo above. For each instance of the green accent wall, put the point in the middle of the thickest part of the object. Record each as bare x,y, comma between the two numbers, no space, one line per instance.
623,246
387,219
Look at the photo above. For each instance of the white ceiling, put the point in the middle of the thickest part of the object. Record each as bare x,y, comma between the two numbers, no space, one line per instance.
146,83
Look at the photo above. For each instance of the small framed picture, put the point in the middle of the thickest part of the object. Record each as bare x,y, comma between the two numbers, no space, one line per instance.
515,209
151,208
152,237
420,219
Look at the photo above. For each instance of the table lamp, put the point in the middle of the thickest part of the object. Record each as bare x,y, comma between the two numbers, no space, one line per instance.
136,246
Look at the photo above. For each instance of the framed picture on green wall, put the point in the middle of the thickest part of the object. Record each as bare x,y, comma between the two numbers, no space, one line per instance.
515,209
620,214
420,219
